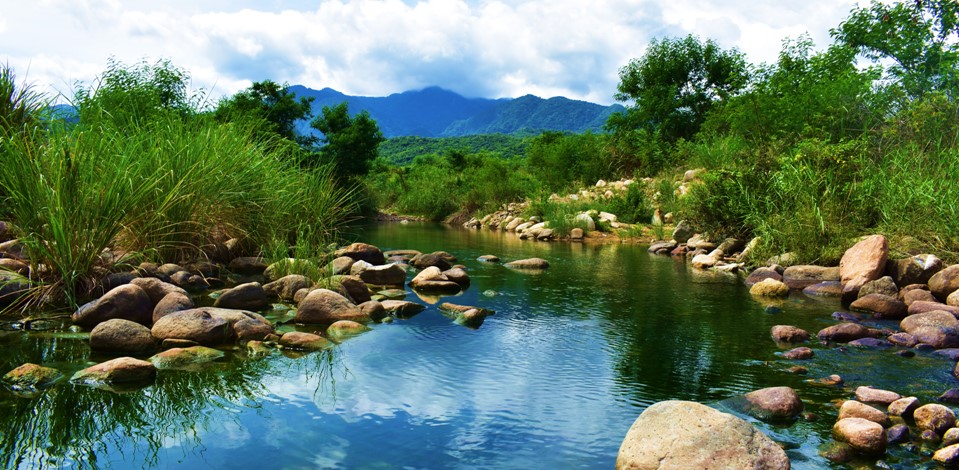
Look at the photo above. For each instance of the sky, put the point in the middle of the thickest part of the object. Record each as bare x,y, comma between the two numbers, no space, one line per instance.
490,49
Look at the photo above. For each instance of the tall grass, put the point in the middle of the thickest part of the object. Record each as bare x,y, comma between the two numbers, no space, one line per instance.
20,104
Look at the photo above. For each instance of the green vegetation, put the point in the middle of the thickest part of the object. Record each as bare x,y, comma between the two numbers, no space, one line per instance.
147,175
402,150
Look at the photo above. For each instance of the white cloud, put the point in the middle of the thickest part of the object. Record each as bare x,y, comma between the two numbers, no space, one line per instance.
478,48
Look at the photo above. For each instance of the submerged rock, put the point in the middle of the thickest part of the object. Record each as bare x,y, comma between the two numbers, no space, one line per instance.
346,328
789,334
769,288
304,341
774,403
121,369
529,263
31,376
687,435
185,358
402,308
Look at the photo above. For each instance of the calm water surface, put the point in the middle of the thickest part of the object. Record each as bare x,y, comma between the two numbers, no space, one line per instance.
553,380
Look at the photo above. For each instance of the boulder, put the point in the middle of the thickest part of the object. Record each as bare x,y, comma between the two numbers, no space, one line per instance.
465,315
185,358
947,456
402,308
458,275
303,341
326,307
789,334
774,403
683,232
769,288
123,337
824,289
345,328
156,289
863,262
390,274
884,285
762,273
880,306
285,287
172,302
897,434
686,435
937,328
905,340
855,409
953,299
432,279
31,376
121,369
875,395
934,417
800,277
436,259
354,289
799,354
249,296
529,263
198,325
921,306
709,260
576,234
918,295
845,332
340,265
247,265
244,325
128,302
863,435
363,252
585,221
913,270
374,310
944,282
660,248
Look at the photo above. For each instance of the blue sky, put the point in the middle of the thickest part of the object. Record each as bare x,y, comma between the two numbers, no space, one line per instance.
504,48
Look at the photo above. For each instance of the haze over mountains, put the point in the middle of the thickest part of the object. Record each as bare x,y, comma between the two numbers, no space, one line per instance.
435,112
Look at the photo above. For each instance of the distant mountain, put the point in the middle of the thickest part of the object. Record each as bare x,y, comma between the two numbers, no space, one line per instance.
435,112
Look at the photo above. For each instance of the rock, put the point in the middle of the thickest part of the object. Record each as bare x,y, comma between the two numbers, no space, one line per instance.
920,306
247,265
944,282
121,369
511,226
947,456
340,265
881,306
249,296
844,333
824,289
436,259
918,295
113,280
171,343
905,340
303,341
937,328
285,287
354,289
156,289
950,437
465,315
403,256
585,221
884,285
199,325
433,280
14,265
731,245
897,434
832,380
458,275
488,259
576,234
855,409
870,343
390,274
687,435
708,261
661,247
326,307
529,263
122,336
799,354
762,273
934,417
392,294
31,376
244,325
789,334
800,277
787,259
402,308
953,299
172,302
345,328
769,288
863,262
363,252
128,302
774,403
949,396
185,358
374,310
914,270
863,435
875,395
683,232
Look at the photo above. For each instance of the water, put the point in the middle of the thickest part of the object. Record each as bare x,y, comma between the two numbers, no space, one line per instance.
553,380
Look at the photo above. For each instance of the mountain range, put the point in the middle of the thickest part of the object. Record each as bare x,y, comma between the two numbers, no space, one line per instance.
436,112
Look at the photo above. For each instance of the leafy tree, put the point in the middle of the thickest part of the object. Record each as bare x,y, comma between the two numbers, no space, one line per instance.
350,142
918,37
274,105
674,84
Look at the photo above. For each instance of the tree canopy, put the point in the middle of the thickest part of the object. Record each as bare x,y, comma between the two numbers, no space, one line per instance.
349,142
274,105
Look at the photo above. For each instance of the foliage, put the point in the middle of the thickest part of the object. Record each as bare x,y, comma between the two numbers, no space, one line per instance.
350,142
631,206
20,105
559,160
402,150
274,106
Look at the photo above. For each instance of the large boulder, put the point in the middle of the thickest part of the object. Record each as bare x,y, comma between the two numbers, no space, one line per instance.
128,302
185,358
934,417
914,270
881,306
683,232
937,328
248,296
121,369
324,306
391,274
31,376
435,259
945,282
861,434
686,435
774,403
363,252
433,280
244,325
789,334
172,302
340,265
285,287
800,277
156,289
855,409
769,288
354,289
863,262
122,336
199,325
845,332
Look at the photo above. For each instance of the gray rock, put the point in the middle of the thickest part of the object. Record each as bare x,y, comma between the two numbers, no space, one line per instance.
683,232
945,282
913,270
884,285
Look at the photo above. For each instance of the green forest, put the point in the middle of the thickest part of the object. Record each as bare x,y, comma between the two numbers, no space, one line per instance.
828,143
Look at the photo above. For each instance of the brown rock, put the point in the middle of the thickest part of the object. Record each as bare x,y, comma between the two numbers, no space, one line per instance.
458,275
884,285
438,260
937,328
345,328
920,306
529,263
172,302
880,306
249,296
30,376
128,302
374,310
948,456
402,308
156,289
363,252
774,403
390,274
864,262
824,289
354,289
845,332
341,265
789,334
326,307
875,395
914,270
945,282
918,295
123,337
769,288
121,369
763,273
934,417
802,276
433,280
905,340
285,287
800,354
198,325
303,341
863,435
855,409
688,435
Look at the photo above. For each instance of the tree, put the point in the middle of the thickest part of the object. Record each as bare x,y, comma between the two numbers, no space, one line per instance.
349,142
275,106
674,84
918,38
